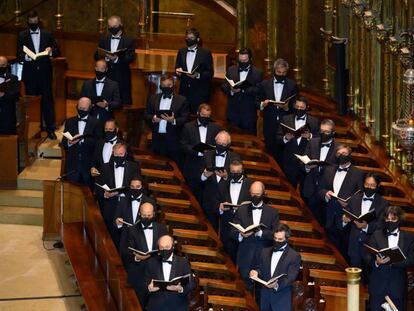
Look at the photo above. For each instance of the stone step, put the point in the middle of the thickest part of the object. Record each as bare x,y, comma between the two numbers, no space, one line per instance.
33,176
26,198
21,215
50,148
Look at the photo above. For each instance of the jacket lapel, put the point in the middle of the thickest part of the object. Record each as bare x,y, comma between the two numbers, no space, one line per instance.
242,190
280,262
29,41
173,272
112,174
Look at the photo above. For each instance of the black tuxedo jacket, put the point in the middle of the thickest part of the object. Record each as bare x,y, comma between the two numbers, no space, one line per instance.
42,67
352,183
390,279
291,165
289,263
249,246
81,151
248,94
97,155
313,178
110,93
166,300
356,235
8,106
179,107
197,91
120,71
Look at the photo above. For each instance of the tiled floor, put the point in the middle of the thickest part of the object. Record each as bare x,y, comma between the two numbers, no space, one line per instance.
33,278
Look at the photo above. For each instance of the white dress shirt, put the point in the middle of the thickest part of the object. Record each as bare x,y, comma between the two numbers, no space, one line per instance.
36,40
190,58
135,208
257,215
338,180
99,87
275,260
166,269
165,104
202,131
393,240
115,43
277,89
149,237
220,163
119,176
235,188
1,80
324,151
107,150
299,124
82,125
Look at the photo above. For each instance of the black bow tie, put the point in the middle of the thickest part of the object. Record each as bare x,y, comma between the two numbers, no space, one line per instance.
120,165
220,154
257,207
190,50
326,145
148,228
82,120
301,118
243,69
110,141
34,32
236,182
97,82
390,233
167,261
345,169
166,96
136,199
280,82
201,125
278,250
116,38
368,199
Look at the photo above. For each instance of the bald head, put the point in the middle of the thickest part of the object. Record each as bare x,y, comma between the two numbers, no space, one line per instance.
3,61
84,104
223,138
257,188
147,210
165,242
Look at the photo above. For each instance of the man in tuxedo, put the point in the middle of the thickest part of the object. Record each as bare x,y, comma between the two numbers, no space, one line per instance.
118,64
216,169
292,145
166,267
235,190
385,277
116,174
241,104
359,232
166,114
253,241
143,235
272,262
37,74
279,88
103,92
198,63
322,148
201,130
85,130
103,148
339,181
8,99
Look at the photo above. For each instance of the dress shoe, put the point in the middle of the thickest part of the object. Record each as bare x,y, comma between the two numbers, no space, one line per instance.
51,135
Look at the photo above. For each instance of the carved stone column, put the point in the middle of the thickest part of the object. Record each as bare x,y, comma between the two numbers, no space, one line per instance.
59,15
271,35
353,277
299,22
328,10
18,12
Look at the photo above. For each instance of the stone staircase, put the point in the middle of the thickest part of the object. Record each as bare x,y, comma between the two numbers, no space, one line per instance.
24,205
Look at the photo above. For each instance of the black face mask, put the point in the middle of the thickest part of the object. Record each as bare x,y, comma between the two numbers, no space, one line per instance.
370,192
33,26
280,78
167,91
256,199
235,176
392,226
109,135
222,149
166,253
204,120
190,42
3,70
244,65
146,221
278,245
343,159
300,112
119,159
114,30
82,113
325,137
100,74
135,193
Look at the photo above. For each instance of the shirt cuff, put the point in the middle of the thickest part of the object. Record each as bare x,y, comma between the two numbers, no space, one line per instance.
285,140
203,178
174,122
344,224
200,154
231,93
261,106
259,233
221,212
115,60
240,237
119,226
365,230
27,58
198,76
